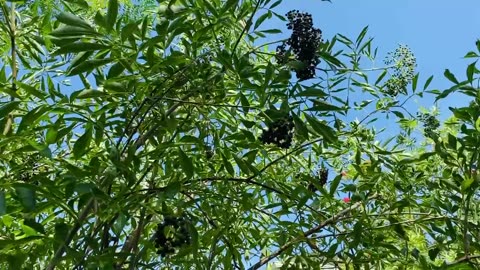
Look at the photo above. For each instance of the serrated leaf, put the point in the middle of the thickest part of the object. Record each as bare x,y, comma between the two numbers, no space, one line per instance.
300,128
119,224
228,165
87,93
88,66
229,5
334,184
82,145
382,75
112,13
261,19
470,71
312,92
51,136
327,132
414,82
26,196
467,182
80,47
3,203
73,20
427,83
73,32
31,90
452,141
8,108
320,105
361,36
449,75
241,164
471,55
186,163
31,117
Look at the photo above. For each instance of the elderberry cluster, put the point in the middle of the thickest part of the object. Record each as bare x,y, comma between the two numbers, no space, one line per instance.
404,63
279,133
171,234
304,43
320,178
430,124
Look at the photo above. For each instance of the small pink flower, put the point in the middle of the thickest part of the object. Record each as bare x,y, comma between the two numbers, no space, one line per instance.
344,173
346,200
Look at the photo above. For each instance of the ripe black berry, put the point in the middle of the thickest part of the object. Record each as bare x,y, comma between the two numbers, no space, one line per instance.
279,133
304,43
171,235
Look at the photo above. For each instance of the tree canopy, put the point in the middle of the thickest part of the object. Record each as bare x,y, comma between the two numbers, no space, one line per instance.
185,134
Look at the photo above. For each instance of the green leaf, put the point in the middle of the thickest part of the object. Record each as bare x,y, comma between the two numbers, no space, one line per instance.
228,165
461,266
73,32
320,105
467,182
452,141
414,82
382,75
471,55
334,184
241,164
119,224
300,128
31,90
331,59
8,108
112,13
327,132
3,203
26,196
88,66
87,93
361,36
470,71
278,2
261,19
186,163
230,6
82,145
80,47
449,75
312,92
31,117
73,20
427,83
51,136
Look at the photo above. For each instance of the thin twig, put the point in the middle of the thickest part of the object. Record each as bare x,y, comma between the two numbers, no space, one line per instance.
306,234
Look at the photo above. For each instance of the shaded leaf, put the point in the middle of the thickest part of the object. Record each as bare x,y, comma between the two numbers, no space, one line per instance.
73,20
82,145
186,163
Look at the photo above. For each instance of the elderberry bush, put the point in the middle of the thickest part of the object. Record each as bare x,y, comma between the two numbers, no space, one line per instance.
279,133
303,44
171,235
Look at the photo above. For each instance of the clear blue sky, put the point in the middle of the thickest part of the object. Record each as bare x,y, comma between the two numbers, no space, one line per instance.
439,32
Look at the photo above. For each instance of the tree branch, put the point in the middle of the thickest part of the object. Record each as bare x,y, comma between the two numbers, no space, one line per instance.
313,230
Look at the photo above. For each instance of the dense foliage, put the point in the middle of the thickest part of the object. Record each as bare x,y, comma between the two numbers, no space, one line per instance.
169,135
